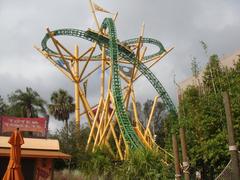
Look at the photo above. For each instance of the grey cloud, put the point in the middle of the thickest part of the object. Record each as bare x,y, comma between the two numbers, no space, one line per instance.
181,24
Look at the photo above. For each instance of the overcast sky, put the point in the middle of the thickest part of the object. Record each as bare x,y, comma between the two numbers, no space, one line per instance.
179,24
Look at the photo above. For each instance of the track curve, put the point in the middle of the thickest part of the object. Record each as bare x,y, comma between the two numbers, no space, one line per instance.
115,49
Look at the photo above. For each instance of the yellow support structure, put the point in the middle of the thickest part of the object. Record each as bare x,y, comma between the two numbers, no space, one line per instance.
150,116
76,85
101,120
94,123
104,123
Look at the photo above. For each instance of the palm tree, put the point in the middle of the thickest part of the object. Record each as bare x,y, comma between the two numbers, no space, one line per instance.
3,106
61,107
26,104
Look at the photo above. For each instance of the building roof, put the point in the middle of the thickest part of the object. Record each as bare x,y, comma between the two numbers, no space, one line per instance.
29,153
35,148
33,143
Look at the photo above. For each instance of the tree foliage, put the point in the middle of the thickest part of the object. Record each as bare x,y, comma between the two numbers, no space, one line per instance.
26,103
157,126
100,164
3,107
72,141
61,106
202,113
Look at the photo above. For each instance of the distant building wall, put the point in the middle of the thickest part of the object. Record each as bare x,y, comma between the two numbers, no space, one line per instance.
227,61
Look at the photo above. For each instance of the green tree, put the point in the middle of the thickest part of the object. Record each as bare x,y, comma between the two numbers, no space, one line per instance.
142,165
73,142
61,106
202,114
195,67
212,75
26,104
3,106
157,124
139,113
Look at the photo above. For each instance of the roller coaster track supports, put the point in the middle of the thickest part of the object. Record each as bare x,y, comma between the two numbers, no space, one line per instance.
161,56
90,116
114,51
45,54
94,123
94,14
116,141
137,121
106,128
101,120
76,86
103,58
103,71
88,60
151,116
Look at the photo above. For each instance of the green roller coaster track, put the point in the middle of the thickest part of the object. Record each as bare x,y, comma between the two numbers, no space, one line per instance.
115,49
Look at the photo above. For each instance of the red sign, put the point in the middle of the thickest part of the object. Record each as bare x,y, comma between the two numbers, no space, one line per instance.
9,124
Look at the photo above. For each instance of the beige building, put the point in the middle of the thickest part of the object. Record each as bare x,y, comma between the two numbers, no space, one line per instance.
37,157
228,61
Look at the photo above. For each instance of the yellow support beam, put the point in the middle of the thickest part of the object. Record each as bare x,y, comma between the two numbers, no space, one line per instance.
76,85
103,71
90,73
135,108
56,43
106,105
94,14
151,116
88,60
94,123
116,142
106,127
45,54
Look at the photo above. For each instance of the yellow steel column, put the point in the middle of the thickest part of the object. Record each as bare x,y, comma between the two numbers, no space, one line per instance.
76,85
94,14
150,116
103,72
103,86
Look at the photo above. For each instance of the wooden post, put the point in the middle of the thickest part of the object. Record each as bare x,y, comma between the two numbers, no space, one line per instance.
184,154
176,158
231,140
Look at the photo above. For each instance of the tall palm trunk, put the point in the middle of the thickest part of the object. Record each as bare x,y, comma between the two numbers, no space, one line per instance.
66,125
29,113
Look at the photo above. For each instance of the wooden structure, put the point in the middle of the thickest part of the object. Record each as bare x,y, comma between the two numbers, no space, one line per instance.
37,157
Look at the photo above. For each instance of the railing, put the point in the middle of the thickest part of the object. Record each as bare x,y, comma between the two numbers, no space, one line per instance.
226,174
